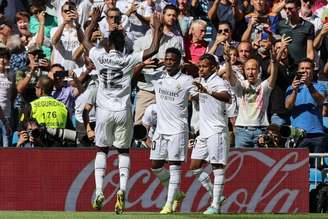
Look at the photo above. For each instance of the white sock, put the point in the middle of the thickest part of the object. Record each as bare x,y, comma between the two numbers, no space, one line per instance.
174,183
204,179
100,169
163,175
218,187
124,168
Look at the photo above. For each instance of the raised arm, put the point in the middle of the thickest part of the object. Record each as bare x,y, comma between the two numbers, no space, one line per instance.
273,69
157,28
40,35
85,38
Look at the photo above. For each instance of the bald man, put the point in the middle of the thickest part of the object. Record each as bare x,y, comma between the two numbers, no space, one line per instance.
252,118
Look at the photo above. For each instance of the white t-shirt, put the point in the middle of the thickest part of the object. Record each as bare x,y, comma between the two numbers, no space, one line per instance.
65,47
7,82
212,114
114,74
254,103
83,99
150,119
172,101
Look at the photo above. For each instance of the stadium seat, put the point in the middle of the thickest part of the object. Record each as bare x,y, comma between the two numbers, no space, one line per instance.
315,178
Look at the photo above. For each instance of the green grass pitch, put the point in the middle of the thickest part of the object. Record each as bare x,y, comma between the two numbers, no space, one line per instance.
134,215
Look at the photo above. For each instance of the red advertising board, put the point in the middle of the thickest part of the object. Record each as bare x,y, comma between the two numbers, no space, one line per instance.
257,180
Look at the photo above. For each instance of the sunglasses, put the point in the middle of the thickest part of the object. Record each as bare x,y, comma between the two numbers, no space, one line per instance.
223,30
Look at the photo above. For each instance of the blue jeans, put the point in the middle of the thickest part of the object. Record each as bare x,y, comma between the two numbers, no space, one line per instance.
5,138
279,119
247,137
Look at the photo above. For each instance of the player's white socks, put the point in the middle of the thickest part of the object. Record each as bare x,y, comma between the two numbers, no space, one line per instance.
124,168
174,183
163,175
218,186
204,179
100,169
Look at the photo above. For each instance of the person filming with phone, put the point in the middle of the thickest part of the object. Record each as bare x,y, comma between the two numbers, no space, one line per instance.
64,38
304,99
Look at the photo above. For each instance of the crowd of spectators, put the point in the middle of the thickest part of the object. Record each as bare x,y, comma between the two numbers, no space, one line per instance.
277,51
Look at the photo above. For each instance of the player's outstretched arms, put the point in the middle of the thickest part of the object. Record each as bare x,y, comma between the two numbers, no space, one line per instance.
157,32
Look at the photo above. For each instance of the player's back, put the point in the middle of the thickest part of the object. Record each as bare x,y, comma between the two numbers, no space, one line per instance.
114,73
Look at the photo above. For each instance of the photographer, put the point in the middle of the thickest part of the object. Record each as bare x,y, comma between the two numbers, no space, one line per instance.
34,135
29,136
64,38
305,98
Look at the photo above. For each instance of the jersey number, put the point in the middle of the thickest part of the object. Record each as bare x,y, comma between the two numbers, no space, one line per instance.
111,78
49,115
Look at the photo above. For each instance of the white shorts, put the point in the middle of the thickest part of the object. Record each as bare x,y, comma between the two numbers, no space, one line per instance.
113,128
169,147
213,149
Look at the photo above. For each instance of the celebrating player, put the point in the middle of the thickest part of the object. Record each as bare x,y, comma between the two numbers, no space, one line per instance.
212,143
172,89
114,118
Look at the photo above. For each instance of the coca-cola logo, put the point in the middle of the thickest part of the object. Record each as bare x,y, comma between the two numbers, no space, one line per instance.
272,189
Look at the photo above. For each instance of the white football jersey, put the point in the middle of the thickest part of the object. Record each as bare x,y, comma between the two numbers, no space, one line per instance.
114,74
172,101
212,112
150,119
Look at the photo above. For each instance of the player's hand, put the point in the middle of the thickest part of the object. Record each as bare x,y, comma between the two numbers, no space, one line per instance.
200,87
91,135
89,64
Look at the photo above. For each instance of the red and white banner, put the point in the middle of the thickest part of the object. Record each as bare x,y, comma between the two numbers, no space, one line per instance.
258,180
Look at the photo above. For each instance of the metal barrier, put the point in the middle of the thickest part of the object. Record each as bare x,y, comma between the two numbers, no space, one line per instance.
319,175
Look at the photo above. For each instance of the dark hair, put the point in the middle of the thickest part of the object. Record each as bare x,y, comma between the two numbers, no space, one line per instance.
27,122
113,9
4,53
174,51
307,60
22,14
117,39
57,65
225,22
171,7
47,84
210,58
296,2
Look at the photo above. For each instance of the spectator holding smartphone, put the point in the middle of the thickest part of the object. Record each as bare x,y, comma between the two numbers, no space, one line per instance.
41,24
65,40
305,98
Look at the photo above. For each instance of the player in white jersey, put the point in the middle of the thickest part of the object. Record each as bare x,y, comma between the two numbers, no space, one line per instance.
113,114
212,143
149,121
172,90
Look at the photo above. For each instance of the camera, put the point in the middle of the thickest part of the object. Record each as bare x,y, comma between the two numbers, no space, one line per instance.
61,74
61,134
288,131
263,19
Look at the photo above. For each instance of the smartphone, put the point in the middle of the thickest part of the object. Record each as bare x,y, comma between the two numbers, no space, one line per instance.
61,74
299,75
263,19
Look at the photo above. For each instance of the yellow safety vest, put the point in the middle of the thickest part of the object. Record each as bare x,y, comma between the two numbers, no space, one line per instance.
49,112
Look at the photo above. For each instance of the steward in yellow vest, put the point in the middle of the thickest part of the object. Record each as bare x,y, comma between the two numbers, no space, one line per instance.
47,110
